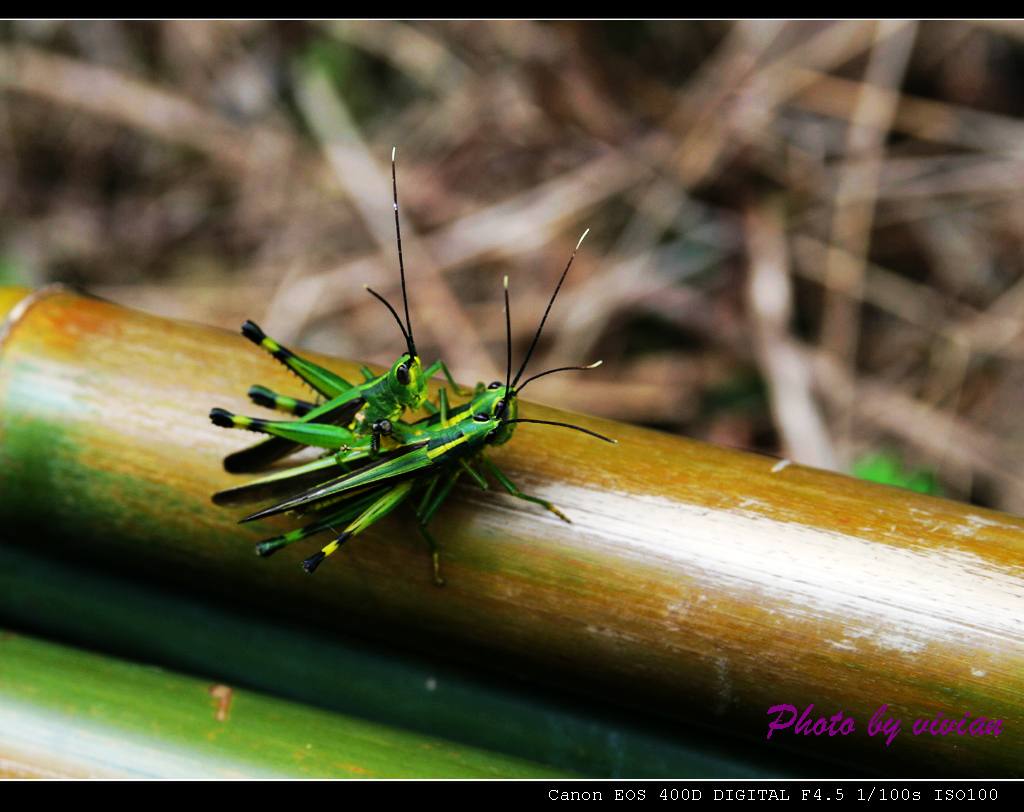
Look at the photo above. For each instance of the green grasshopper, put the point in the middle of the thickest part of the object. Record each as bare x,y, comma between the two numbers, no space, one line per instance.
357,415
433,455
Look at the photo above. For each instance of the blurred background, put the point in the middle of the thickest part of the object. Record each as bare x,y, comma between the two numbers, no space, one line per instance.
806,237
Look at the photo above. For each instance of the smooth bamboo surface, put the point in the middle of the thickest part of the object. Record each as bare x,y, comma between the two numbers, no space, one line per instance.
65,713
125,617
695,582
10,296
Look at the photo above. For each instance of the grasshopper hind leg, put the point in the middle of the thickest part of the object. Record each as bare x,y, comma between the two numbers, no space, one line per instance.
379,507
345,513
322,435
269,399
323,381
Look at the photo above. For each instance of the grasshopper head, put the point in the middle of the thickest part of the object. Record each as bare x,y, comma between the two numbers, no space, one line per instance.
496,412
407,381
495,406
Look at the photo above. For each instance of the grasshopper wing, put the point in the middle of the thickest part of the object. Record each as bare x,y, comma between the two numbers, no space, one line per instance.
280,482
413,458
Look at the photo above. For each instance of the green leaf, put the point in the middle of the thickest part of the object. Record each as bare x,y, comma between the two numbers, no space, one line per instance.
886,468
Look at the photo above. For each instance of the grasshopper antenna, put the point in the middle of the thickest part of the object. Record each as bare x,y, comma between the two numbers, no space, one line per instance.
522,386
565,426
547,310
405,335
401,260
508,350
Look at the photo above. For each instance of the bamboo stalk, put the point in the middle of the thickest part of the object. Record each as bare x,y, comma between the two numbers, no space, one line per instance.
695,582
65,713
9,297
122,617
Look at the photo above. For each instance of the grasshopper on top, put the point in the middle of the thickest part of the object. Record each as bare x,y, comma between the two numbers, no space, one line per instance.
357,414
434,454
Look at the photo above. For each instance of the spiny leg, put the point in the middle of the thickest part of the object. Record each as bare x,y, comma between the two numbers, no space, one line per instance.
322,380
322,435
339,412
377,510
432,500
270,399
510,486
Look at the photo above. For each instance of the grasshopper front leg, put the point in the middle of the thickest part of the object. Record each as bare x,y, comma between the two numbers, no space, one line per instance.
381,428
437,491
510,486
475,474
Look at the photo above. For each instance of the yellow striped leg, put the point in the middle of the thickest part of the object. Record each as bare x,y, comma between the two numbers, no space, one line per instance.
376,511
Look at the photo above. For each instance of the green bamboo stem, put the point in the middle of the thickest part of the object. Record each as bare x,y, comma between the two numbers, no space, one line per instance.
67,713
695,582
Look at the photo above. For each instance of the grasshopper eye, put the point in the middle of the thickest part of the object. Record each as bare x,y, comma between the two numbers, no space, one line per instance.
494,384
402,373
499,407
481,417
